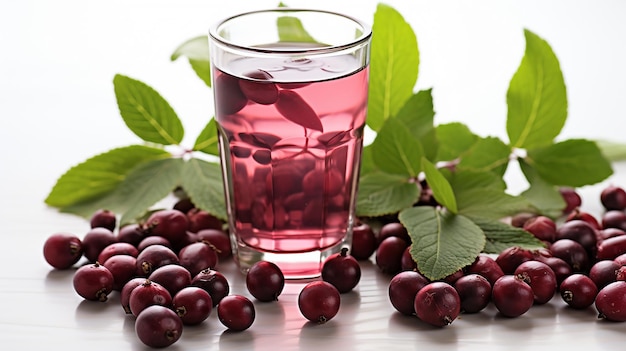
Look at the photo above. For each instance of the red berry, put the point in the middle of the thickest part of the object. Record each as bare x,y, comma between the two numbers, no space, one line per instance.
512,296
103,218
62,250
341,270
578,291
158,326
93,282
236,312
319,301
611,302
192,304
265,281
402,290
438,304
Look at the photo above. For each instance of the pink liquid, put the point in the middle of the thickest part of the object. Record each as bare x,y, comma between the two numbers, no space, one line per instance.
291,152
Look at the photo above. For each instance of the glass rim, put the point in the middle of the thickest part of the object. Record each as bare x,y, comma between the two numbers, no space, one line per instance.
360,40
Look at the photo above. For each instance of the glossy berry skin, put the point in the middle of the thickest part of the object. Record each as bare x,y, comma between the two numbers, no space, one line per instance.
578,291
193,305
572,199
541,279
118,248
265,281
487,267
126,290
172,277
511,257
542,227
158,326
213,282
364,242
198,256
614,219
474,291
394,229
153,257
437,304
103,218
319,301
512,296
219,240
95,240
201,219
236,312
613,198
342,270
93,282
123,268
579,231
147,294
402,290
170,224
389,254
62,250
573,253
611,248
604,272
130,233
153,240
407,263
611,302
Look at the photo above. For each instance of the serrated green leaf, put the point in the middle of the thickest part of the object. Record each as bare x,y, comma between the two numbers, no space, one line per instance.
197,52
417,114
202,181
501,236
536,98
99,174
142,188
573,162
396,151
393,67
490,203
612,150
541,194
442,242
454,139
383,194
207,139
442,191
146,112
487,155
148,184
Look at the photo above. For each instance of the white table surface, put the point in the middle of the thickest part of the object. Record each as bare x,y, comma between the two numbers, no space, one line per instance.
58,108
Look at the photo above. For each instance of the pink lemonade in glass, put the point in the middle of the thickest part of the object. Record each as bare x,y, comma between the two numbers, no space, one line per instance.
290,135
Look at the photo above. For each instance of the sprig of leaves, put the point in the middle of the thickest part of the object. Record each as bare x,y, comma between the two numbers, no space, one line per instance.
463,170
470,190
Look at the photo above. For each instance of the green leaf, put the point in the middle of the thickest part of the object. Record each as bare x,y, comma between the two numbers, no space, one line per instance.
442,191
144,186
396,151
573,162
442,242
501,236
537,98
148,184
487,155
490,203
291,30
612,150
541,194
100,174
418,114
197,52
207,139
202,181
146,113
465,179
393,66
367,160
454,140
383,194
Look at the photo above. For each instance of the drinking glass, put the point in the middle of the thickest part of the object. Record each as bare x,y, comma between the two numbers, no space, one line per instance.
290,95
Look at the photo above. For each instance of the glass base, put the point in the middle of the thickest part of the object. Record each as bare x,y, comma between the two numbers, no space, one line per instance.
295,266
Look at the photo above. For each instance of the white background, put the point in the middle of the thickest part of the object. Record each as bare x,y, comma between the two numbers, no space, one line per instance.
57,108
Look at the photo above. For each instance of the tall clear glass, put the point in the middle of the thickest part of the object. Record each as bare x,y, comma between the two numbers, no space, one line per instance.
290,93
